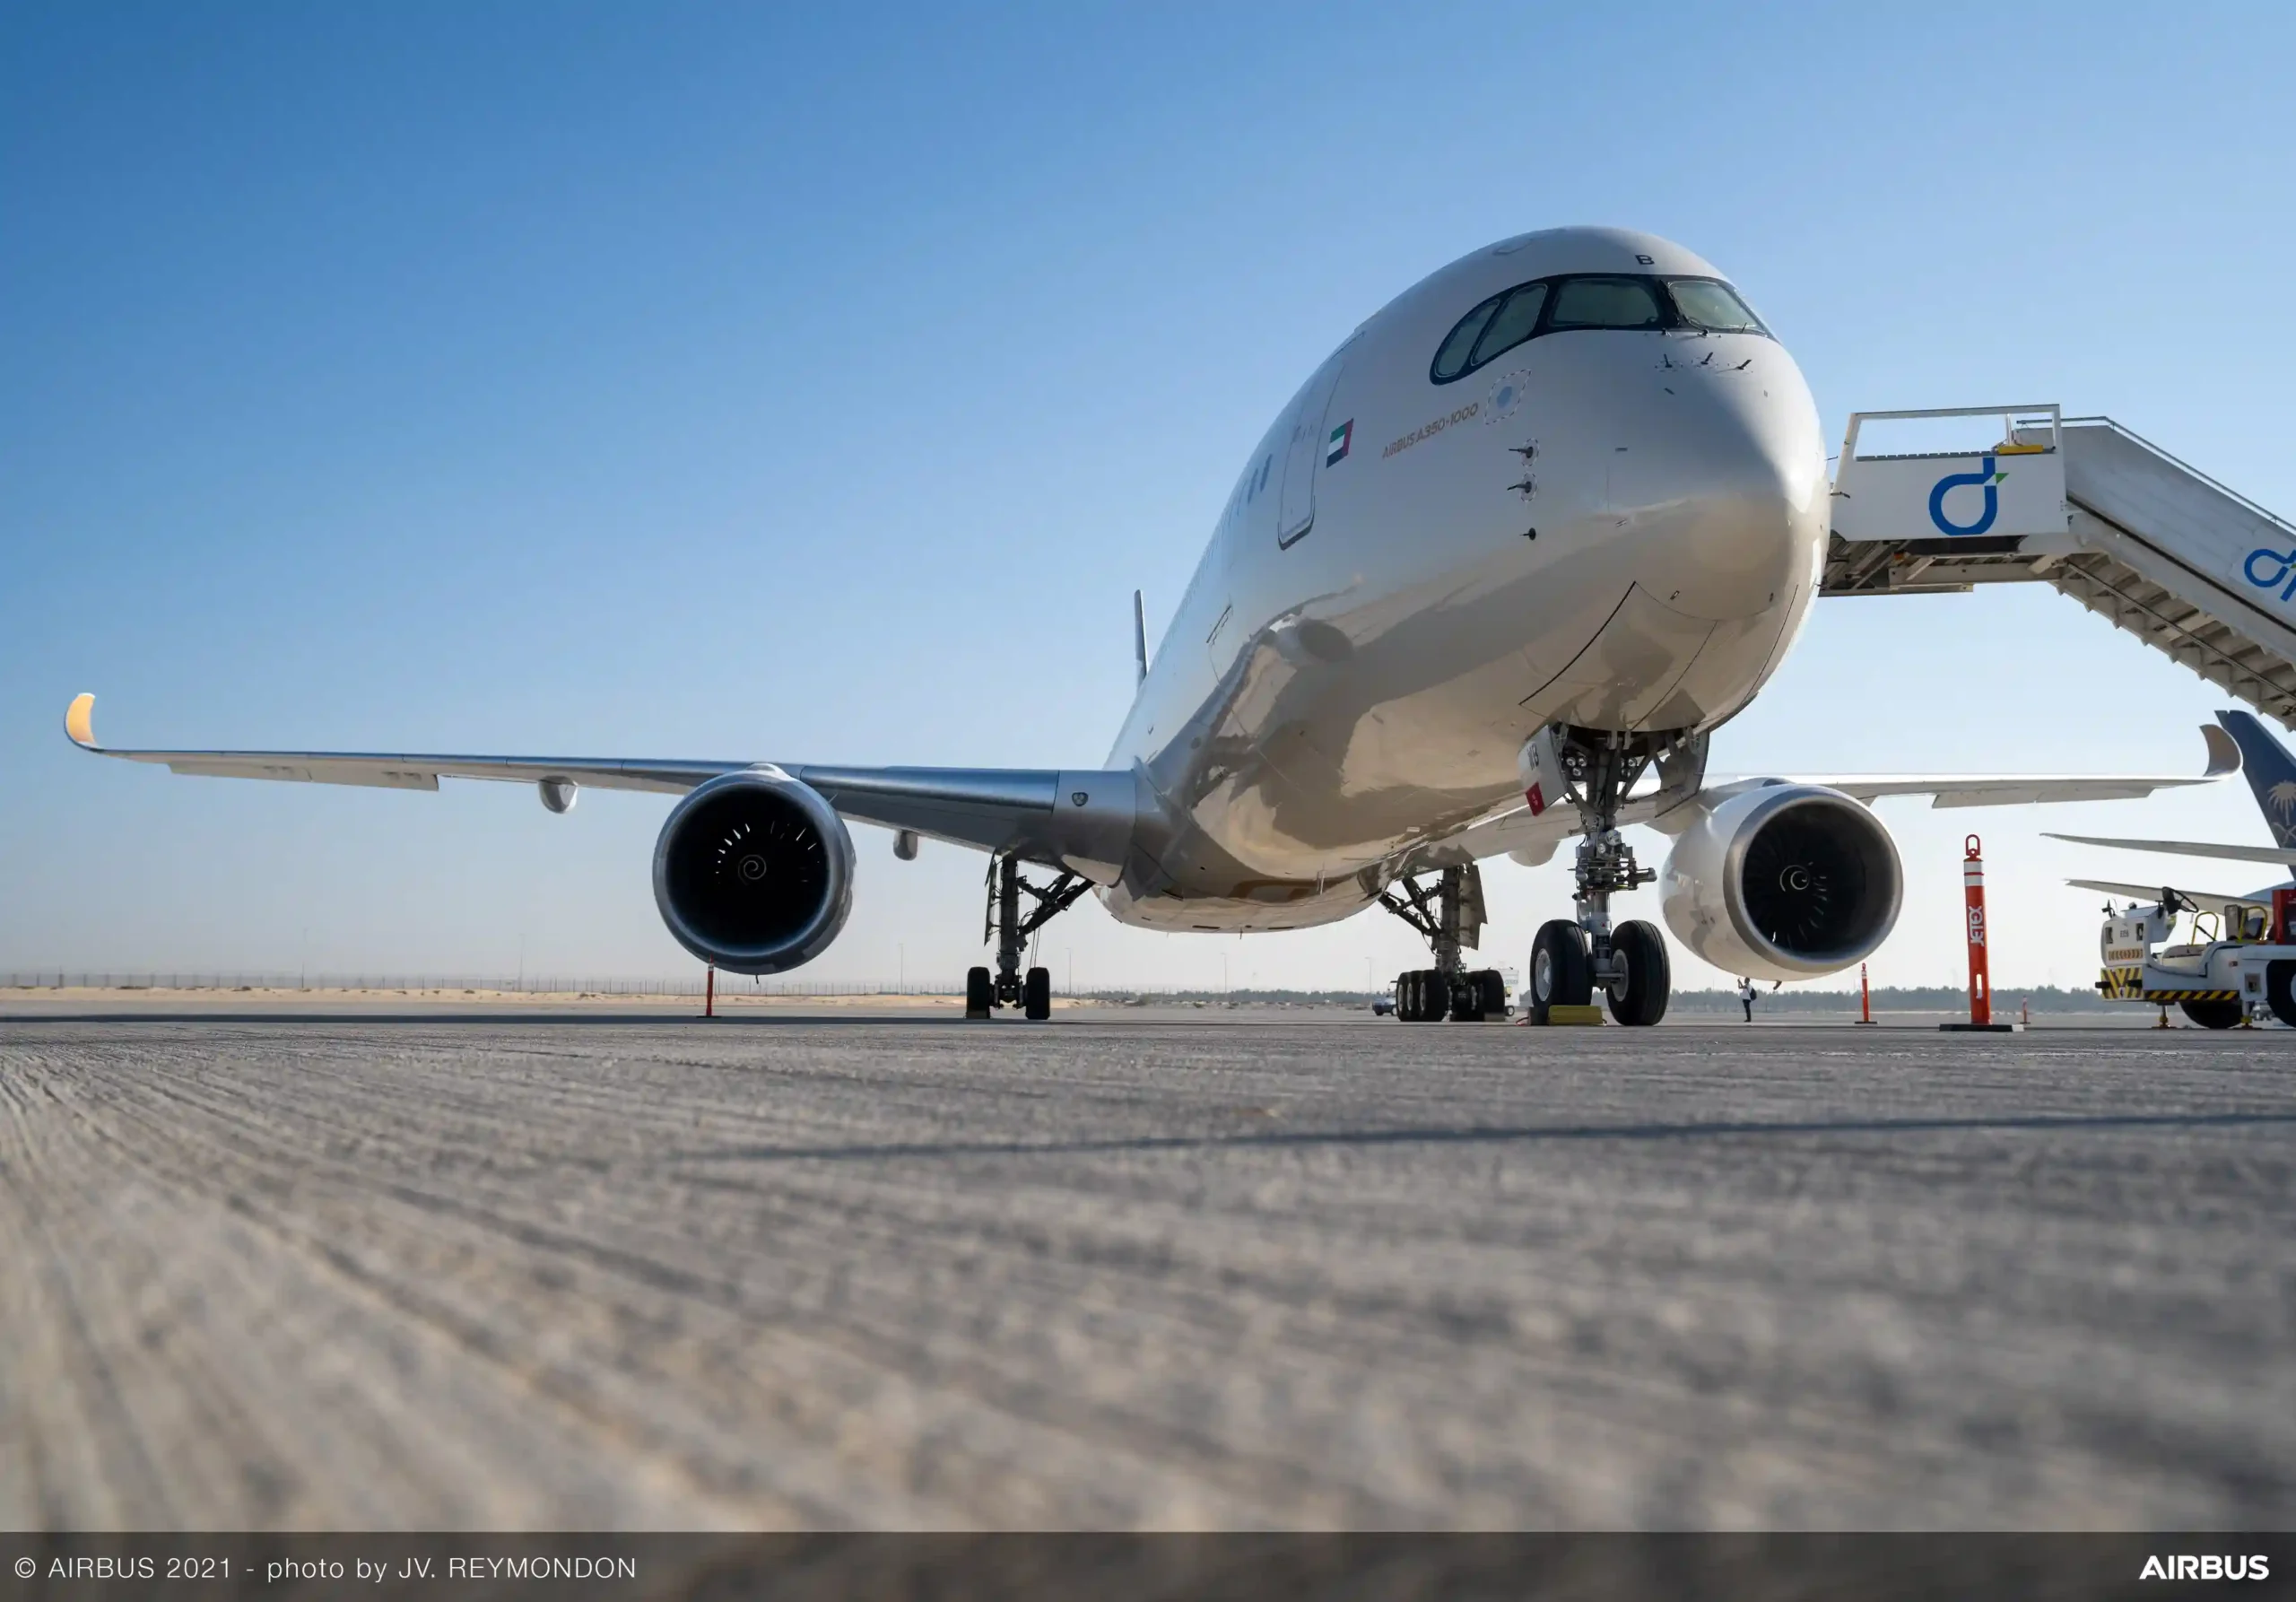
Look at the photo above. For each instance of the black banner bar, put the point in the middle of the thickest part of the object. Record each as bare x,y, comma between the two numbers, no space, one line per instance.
1129,1568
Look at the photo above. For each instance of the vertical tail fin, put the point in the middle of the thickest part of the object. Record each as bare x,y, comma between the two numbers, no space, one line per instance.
2271,771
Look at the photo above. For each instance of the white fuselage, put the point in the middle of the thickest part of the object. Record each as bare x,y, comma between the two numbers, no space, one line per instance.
1610,528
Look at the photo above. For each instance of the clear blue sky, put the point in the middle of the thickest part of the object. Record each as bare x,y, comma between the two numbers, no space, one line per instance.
734,381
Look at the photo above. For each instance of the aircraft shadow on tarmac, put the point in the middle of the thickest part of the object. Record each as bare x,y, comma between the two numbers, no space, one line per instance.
1480,1136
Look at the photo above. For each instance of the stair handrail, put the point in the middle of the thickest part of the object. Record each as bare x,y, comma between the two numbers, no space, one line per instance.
2225,490
2008,416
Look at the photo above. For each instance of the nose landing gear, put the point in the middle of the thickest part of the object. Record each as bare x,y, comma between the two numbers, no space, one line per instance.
1010,929
1571,959
1450,916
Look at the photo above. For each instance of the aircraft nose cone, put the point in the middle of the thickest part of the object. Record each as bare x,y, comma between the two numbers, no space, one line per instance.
1734,487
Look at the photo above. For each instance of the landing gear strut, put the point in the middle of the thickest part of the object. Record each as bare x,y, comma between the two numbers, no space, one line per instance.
1010,929
1571,959
1448,916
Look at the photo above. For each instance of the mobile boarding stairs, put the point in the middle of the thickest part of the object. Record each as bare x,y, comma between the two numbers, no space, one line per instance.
2196,570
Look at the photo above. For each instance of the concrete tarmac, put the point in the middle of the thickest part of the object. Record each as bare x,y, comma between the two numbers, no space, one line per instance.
618,1269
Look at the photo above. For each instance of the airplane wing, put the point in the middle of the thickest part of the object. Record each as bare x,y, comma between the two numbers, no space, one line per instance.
1535,838
400,771
2152,892
2013,789
990,809
2185,847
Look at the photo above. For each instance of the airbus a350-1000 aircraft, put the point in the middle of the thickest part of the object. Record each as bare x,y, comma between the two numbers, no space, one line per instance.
1491,582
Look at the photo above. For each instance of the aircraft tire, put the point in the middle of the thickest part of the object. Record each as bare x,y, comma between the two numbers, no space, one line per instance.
1490,989
2280,991
2212,1015
1036,996
1464,995
1640,997
1560,973
980,994
1426,1003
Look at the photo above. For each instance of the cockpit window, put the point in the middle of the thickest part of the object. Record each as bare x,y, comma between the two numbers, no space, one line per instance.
1606,303
1451,359
1588,301
1706,304
1516,322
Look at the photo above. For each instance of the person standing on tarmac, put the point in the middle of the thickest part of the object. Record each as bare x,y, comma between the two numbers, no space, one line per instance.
1746,997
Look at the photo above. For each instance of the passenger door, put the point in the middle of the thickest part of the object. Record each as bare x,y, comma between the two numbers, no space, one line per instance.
1309,444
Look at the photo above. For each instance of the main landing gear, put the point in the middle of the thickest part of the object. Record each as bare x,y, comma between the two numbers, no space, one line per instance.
1448,917
1010,929
1572,959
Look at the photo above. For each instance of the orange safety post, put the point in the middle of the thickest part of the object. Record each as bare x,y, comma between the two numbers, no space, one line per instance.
1980,980
1973,892
1865,996
710,991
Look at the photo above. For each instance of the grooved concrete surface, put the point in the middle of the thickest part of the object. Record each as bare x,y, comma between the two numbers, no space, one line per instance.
522,1272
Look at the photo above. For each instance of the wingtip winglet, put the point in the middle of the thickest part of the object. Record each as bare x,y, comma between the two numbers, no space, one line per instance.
2223,752
80,721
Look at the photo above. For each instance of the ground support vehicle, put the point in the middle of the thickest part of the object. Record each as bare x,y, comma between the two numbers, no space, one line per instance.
2237,963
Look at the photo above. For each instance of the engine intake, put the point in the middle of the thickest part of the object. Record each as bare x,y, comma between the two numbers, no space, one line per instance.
754,872
1783,882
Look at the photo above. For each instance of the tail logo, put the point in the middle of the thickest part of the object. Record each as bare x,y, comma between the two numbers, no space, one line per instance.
2281,798
1985,477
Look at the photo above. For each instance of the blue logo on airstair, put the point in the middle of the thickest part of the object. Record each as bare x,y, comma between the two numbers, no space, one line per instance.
2278,565
1983,476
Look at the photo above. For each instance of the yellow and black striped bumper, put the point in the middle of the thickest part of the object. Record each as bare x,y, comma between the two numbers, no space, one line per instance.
2127,984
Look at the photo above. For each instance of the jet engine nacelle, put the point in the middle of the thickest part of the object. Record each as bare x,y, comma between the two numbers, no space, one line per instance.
754,872
1782,882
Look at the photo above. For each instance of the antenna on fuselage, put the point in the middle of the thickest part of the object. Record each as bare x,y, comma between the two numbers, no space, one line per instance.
1139,638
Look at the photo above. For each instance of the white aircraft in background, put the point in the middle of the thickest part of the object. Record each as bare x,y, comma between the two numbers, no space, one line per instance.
1490,581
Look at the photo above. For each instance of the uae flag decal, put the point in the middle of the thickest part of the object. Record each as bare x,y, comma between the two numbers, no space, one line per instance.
1341,438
